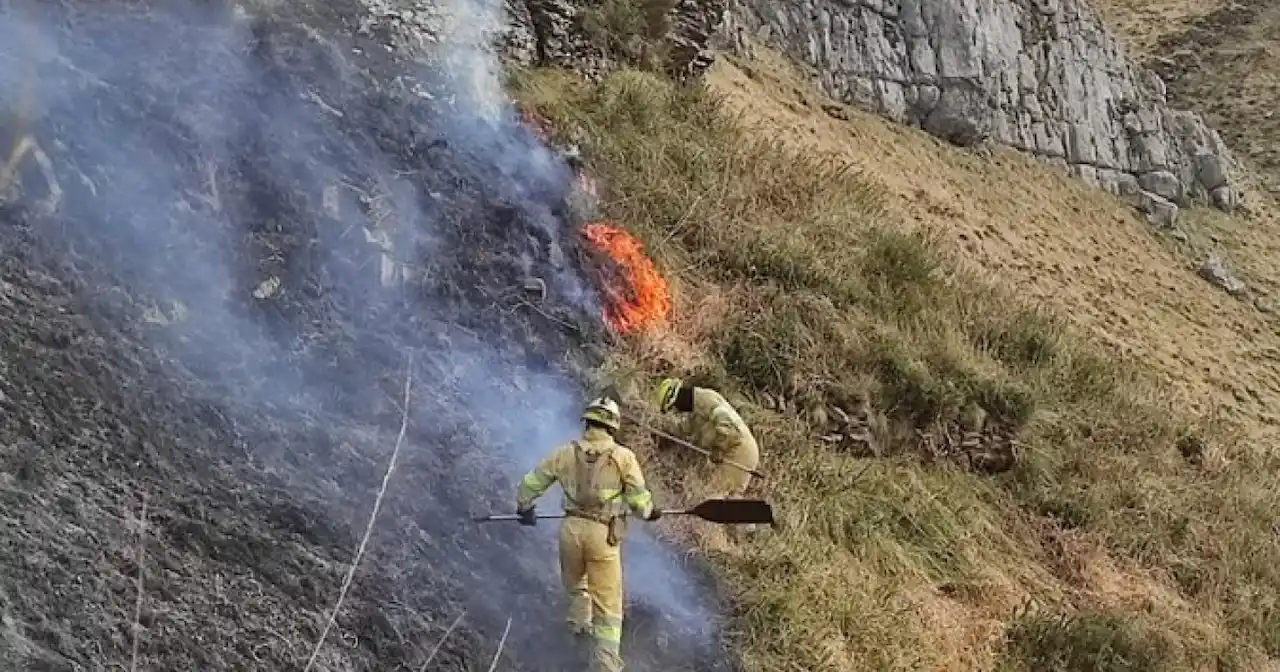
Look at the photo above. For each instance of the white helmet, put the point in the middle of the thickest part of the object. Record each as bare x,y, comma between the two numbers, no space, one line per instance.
604,411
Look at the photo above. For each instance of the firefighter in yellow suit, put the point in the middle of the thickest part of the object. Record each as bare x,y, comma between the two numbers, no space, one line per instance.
714,425
602,481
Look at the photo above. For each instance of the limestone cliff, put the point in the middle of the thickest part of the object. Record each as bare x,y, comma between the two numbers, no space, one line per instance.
1043,76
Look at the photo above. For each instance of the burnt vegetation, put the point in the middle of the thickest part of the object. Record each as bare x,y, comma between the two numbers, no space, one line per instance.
252,223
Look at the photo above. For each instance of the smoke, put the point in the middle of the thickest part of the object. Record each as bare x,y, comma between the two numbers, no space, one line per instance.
292,220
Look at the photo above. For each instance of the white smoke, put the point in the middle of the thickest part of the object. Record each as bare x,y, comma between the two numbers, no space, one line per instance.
470,33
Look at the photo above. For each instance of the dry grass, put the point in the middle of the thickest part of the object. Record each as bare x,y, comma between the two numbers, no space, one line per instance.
796,290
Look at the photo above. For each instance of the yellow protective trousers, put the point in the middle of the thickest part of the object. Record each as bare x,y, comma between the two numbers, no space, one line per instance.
591,569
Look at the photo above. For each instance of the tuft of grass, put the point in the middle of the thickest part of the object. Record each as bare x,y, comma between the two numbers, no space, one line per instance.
1087,642
821,301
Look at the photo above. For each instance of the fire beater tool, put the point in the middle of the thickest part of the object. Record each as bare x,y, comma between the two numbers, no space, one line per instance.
722,511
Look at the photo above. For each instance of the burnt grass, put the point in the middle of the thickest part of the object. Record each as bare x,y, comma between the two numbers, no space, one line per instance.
137,362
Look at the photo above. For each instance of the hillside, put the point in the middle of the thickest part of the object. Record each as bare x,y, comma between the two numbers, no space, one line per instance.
825,258
1220,59
299,285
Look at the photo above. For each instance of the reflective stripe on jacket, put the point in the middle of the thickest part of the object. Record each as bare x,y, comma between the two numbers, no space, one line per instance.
600,478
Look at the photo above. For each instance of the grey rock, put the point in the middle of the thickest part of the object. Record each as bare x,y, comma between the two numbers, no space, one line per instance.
1151,152
1126,185
1210,171
1162,183
926,99
1109,180
520,44
924,63
1048,140
962,116
1216,272
1156,86
893,99
549,32
1159,210
1225,199
1080,148
1087,173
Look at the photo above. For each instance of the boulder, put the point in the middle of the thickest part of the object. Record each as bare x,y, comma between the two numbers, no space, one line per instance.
1215,271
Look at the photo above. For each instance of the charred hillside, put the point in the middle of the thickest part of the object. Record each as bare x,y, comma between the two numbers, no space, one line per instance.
232,240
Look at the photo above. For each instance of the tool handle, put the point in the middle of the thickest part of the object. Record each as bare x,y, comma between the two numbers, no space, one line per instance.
512,516
704,451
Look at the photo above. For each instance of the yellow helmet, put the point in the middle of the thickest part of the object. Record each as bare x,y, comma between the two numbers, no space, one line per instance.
665,396
604,411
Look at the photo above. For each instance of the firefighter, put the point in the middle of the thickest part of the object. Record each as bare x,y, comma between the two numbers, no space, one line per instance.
602,482
714,425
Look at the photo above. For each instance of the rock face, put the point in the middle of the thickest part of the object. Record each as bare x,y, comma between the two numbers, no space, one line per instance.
547,32
1042,76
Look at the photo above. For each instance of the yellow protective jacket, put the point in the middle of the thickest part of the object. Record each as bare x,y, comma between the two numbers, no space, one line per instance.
601,479
715,425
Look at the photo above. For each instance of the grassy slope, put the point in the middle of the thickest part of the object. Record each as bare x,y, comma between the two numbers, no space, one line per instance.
823,261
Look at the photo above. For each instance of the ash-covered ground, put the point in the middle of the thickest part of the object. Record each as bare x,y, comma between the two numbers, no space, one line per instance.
260,219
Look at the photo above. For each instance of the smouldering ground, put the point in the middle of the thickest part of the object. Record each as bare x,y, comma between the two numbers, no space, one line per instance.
204,322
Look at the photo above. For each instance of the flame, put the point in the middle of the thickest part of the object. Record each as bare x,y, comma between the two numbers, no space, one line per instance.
536,123
647,301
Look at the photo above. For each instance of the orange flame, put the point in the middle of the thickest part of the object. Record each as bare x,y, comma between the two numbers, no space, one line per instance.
647,302
536,123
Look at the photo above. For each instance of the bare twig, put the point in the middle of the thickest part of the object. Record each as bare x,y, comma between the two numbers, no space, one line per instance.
373,515
440,643
137,605
501,643
858,475
566,325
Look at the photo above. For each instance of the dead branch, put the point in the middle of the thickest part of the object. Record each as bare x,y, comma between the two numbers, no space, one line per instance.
373,515
501,643
137,605
440,643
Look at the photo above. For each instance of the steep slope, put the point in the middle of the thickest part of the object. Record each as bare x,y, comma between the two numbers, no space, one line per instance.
1069,247
236,239
1008,424
1220,59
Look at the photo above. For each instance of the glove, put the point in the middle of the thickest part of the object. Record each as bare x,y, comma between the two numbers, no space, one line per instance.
655,514
527,517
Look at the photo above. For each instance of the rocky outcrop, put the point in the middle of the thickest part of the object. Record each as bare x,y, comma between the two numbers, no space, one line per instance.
1042,76
549,32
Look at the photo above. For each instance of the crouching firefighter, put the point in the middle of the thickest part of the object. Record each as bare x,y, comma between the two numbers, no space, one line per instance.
713,424
602,482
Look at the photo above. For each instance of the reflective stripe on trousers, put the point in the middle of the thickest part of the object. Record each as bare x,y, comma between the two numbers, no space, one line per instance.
591,570
607,633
